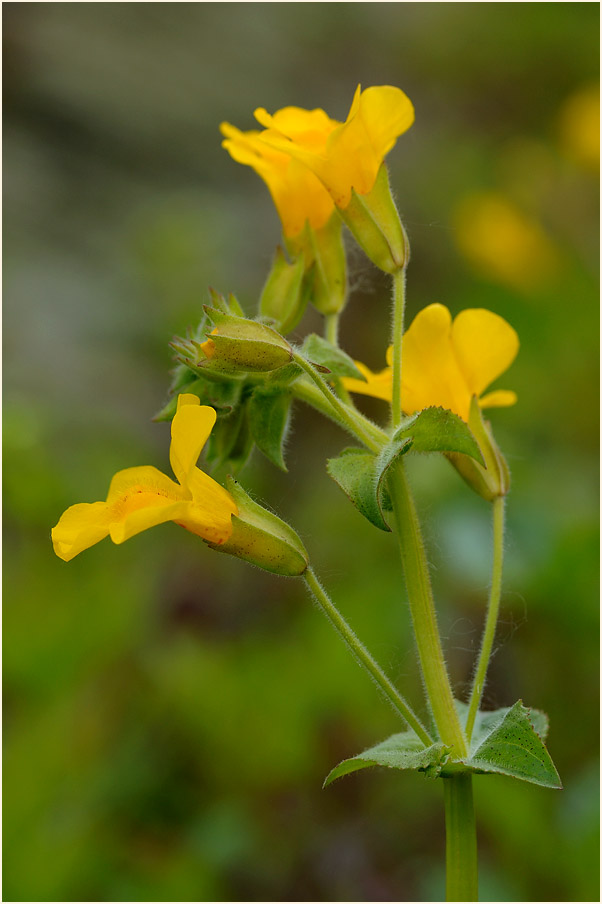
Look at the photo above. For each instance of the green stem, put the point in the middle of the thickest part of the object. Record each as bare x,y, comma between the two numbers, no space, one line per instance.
352,420
399,294
308,393
460,839
331,333
364,658
424,617
331,328
492,614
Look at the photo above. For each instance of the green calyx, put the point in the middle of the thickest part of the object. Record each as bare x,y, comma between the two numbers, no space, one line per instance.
261,538
374,221
492,480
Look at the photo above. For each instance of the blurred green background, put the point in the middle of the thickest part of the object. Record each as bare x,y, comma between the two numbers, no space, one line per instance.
170,714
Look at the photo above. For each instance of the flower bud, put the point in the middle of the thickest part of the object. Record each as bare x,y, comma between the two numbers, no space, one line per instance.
237,344
374,221
261,538
283,299
490,481
329,282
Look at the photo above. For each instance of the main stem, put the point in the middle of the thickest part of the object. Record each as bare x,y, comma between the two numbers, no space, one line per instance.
493,609
422,608
364,658
461,868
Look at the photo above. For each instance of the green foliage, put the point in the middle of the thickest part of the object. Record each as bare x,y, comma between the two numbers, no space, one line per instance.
361,476
508,741
439,430
230,442
400,751
318,350
269,418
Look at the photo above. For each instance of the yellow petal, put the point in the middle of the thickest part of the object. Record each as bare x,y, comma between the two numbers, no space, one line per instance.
190,430
298,195
310,128
80,527
139,498
153,510
499,398
485,346
210,514
358,147
431,374
378,385
131,483
343,156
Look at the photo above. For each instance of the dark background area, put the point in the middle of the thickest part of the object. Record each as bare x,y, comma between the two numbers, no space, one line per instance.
170,714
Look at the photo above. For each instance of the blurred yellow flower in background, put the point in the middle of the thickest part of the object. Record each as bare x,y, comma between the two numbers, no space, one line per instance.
503,242
298,195
446,363
579,127
344,156
142,497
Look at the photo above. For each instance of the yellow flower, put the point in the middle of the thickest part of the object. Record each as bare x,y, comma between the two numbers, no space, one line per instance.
579,125
344,156
446,363
298,195
504,243
139,498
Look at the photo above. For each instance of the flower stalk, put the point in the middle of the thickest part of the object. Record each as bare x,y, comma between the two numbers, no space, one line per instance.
493,608
399,293
364,658
351,420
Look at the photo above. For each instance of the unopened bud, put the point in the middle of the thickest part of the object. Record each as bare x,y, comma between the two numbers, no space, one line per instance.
238,344
283,299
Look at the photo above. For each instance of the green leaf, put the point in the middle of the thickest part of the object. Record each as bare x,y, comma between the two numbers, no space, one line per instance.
400,751
222,395
439,430
318,350
230,443
269,418
361,475
510,741
514,748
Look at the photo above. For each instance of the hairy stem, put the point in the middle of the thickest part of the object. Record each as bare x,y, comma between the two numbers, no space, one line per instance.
461,839
424,617
492,615
399,293
370,436
364,657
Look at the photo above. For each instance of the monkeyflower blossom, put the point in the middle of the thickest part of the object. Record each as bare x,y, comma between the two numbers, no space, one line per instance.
446,363
141,497
344,156
298,195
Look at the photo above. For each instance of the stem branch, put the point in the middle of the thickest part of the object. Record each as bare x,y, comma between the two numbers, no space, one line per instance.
364,658
492,615
371,436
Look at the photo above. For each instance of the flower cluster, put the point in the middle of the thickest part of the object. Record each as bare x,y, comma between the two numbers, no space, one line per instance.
321,174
